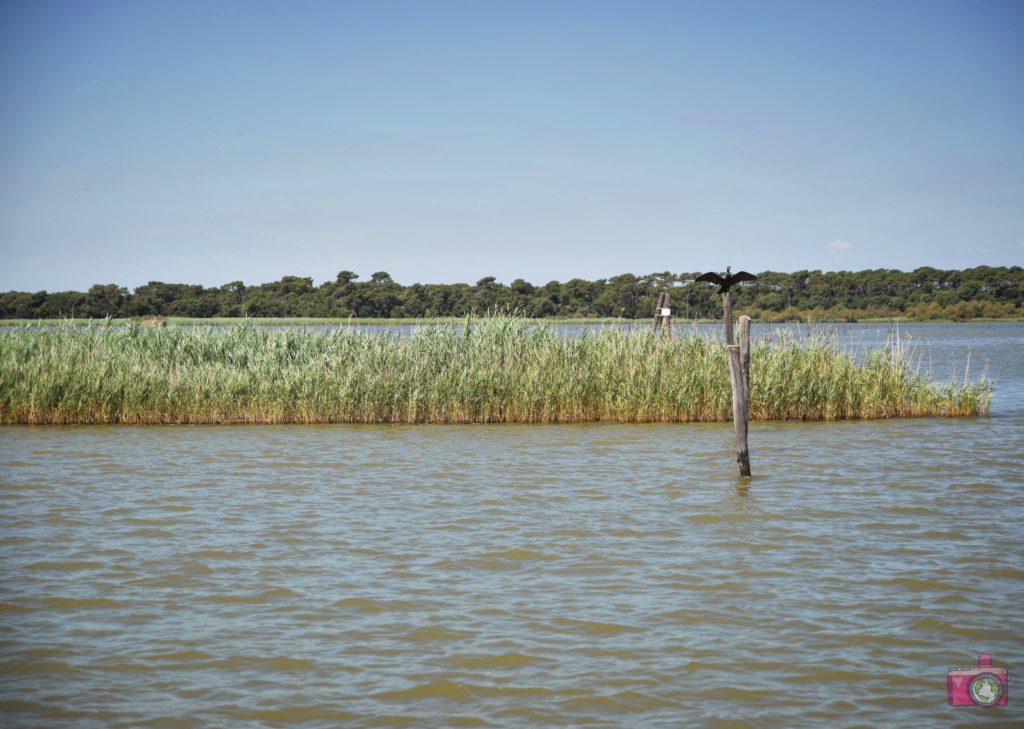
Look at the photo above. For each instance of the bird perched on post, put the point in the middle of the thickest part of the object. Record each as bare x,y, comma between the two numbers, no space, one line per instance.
724,284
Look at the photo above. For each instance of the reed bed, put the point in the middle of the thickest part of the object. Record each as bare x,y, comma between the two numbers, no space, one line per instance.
501,370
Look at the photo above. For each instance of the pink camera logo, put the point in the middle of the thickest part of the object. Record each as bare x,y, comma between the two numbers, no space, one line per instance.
981,685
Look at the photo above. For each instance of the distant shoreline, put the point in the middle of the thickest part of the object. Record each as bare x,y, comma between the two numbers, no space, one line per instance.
979,293
412,321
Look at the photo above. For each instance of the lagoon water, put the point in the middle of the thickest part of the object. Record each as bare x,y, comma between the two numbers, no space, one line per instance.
590,575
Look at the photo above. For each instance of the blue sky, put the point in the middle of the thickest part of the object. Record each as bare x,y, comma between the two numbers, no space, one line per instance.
205,142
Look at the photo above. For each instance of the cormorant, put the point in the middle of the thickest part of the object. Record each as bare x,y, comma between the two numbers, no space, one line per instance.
730,278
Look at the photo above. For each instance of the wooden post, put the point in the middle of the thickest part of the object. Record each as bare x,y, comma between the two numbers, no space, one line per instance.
660,317
740,407
727,316
745,353
739,374
657,310
666,311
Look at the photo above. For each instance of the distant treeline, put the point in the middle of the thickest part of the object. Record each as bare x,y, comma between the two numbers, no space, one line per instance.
925,293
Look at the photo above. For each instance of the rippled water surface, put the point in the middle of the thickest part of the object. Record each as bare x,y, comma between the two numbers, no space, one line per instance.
593,575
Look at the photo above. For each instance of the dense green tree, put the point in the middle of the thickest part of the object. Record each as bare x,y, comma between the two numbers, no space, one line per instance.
60,304
104,300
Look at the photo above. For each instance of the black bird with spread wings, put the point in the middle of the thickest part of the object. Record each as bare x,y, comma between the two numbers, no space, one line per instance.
724,284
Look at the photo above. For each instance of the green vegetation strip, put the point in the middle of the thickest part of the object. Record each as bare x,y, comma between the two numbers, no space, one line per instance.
301,321
502,369
925,294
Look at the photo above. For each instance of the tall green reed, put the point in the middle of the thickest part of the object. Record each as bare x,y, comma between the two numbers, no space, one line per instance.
502,369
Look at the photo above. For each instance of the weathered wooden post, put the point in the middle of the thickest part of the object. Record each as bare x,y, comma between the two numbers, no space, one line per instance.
739,375
727,316
666,314
663,313
745,352
657,311
739,362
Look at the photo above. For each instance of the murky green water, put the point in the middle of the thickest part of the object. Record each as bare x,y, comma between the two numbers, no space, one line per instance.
596,575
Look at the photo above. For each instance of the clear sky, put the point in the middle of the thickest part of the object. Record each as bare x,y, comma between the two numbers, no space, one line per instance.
205,142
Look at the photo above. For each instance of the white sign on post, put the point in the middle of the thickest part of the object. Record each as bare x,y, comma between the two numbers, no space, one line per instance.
664,312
